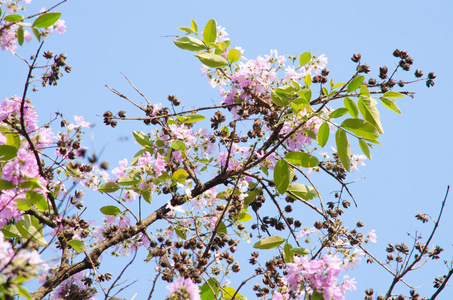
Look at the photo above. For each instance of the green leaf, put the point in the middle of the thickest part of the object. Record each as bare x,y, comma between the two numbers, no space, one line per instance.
370,113
361,128
7,152
234,55
325,91
13,18
6,185
36,33
317,295
304,191
363,145
307,80
20,35
186,29
282,175
343,148
142,139
251,196
210,289
77,245
304,58
147,196
189,43
222,228
180,233
302,159
364,91
10,231
305,94
180,174
212,60
110,210
244,217
210,32
38,200
392,94
352,107
390,104
46,20
32,184
178,145
194,25
287,253
27,228
269,242
355,83
228,292
23,204
108,187
128,180
194,118
338,113
277,99
323,134
300,251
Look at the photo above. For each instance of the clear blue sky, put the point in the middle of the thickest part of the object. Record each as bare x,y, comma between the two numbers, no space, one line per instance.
409,174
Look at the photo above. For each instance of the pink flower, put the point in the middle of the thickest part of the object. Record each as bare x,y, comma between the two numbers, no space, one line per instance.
372,236
185,288
60,26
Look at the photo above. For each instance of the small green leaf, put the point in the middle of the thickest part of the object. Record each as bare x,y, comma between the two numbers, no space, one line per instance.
36,33
370,113
269,242
343,148
363,145
244,217
194,25
228,292
108,187
180,174
77,245
317,295
304,58
355,83
46,20
287,253
234,55
212,60
300,251
392,94
210,289
7,152
304,191
29,227
210,32
189,43
186,29
20,35
147,196
194,118
178,145
390,104
352,107
277,99
6,185
110,210
338,113
222,228
361,128
13,18
307,80
282,175
323,134
302,159
142,139
10,231
325,91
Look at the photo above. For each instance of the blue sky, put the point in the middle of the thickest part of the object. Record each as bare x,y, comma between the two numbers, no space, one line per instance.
409,174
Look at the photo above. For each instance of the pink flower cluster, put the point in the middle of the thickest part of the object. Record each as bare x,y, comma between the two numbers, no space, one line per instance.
183,288
305,276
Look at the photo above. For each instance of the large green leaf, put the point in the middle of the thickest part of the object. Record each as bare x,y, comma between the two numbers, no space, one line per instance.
29,227
37,199
108,187
189,43
210,32
304,191
282,174
352,107
323,134
370,112
355,83
228,292
6,185
269,242
180,174
287,253
234,55
212,60
13,18
142,139
210,289
304,58
343,148
338,113
23,204
302,159
361,128
392,94
193,118
46,20
7,152
277,99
